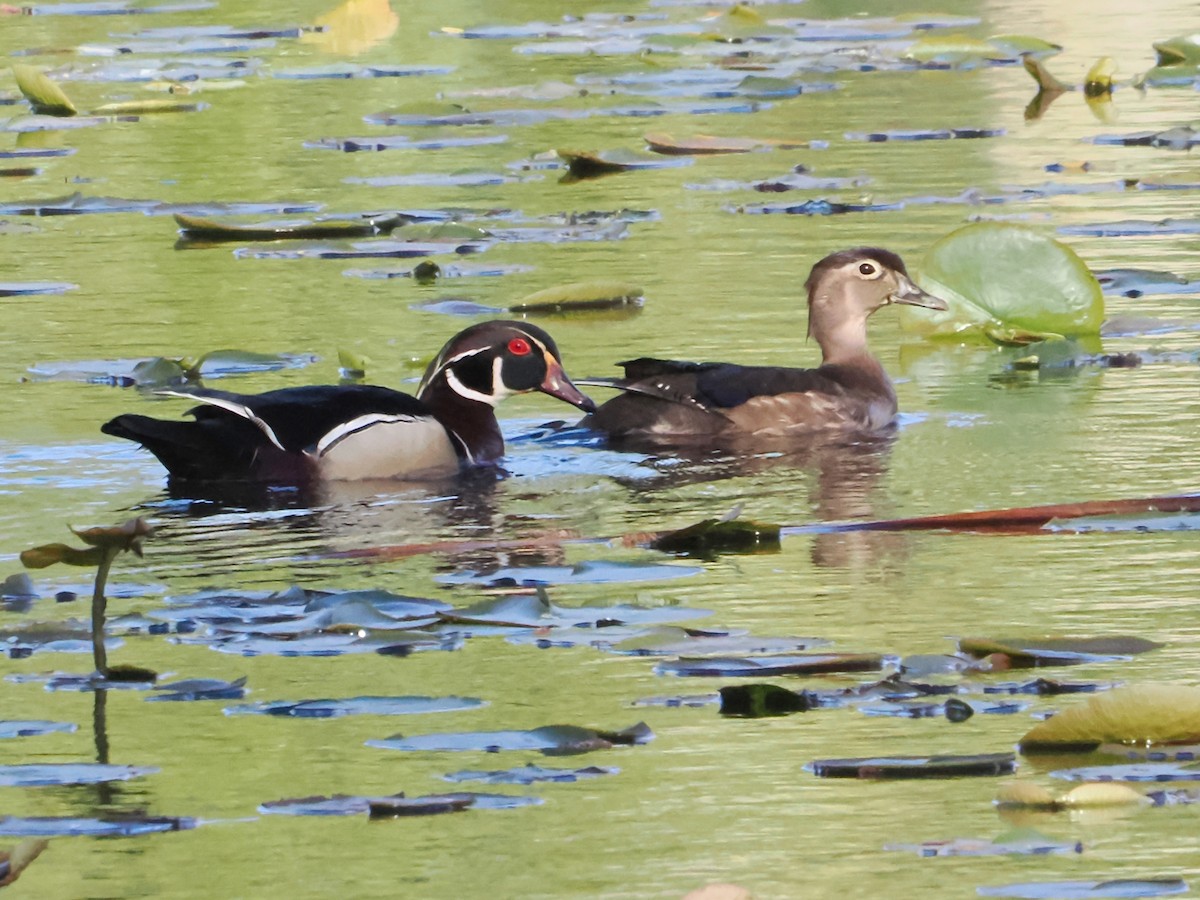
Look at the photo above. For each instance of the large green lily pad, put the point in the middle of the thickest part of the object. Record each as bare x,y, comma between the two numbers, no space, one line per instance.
999,278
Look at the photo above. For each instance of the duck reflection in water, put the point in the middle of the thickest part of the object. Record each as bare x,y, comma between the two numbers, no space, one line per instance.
460,517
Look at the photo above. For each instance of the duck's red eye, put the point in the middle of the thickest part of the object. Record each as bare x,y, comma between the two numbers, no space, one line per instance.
519,347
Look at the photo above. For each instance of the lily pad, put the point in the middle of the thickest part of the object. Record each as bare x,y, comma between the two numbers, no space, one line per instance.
435,804
1130,772
72,826
587,572
1033,845
1086,890
355,706
15,728
1057,651
887,767
582,164
580,295
1137,714
199,689
1002,276
200,228
531,774
704,144
41,775
28,288
552,740
755,701
804,664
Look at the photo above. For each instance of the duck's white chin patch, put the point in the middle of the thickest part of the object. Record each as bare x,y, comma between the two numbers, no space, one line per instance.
478,396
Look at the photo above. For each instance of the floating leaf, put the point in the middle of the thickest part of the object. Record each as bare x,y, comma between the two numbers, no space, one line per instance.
19,728
805,664
1091,796
207,229
1086,890
28,288
531,774
755,701
113,826
46,97
552,740
952,49
1183,50
148,107
1025,795
915,766
1131,772
1140,715
39,775
1057,651
1007,276
702,144
199,689
586,572
1034,845
355,706
580,295
583,164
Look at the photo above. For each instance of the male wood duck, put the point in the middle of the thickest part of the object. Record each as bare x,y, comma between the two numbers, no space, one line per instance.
672,402
355,432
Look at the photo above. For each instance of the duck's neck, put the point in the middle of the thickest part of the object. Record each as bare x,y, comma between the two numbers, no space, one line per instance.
471,424
843,341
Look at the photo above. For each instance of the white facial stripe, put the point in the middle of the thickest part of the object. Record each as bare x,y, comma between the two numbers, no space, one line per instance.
463,391
330,440
238,409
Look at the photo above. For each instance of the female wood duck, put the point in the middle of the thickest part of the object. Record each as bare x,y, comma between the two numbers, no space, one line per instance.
671,402
354,432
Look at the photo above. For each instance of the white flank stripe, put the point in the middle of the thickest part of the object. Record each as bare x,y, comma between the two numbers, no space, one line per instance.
331,438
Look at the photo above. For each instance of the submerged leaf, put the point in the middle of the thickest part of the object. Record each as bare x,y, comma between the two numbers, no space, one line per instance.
1137,714
1007,276
712,536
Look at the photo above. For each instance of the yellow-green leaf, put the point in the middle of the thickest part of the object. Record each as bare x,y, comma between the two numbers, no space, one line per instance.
1136,714
580,295
46,97
1099,80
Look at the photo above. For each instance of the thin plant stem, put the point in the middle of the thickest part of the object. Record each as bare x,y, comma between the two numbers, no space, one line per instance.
99,653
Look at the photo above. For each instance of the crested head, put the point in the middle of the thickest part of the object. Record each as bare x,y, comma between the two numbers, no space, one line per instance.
493,360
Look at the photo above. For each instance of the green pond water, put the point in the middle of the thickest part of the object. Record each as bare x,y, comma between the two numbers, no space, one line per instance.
710,799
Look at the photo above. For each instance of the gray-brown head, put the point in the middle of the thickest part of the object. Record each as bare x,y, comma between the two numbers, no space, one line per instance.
844,289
